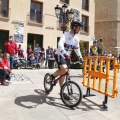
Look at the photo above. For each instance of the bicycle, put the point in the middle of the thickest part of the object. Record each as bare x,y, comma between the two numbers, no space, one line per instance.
66,89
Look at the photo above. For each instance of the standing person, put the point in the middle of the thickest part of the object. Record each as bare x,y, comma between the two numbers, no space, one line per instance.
47,55
42,56
11,48
4,69
68,41
52,53
37,51
95,48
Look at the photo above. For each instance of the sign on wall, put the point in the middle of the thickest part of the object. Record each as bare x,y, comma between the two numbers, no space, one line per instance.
76,15
18,33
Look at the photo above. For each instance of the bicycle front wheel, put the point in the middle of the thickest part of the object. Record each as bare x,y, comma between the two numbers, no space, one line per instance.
47,83
71,94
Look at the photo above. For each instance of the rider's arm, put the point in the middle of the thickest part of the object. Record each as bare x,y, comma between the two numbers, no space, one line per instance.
77,49
61,45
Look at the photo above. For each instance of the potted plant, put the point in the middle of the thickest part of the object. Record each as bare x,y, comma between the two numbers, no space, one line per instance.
63,26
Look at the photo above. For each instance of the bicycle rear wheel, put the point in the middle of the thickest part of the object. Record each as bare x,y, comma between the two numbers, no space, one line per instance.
73,91
47,83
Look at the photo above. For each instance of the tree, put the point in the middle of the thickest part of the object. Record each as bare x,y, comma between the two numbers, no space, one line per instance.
75,57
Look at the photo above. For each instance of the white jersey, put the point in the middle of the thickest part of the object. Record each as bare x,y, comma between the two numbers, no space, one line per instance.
67,43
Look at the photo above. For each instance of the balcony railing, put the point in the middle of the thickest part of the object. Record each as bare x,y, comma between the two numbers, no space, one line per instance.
5,14
37,20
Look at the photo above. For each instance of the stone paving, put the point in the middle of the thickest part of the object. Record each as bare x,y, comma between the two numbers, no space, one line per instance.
28,101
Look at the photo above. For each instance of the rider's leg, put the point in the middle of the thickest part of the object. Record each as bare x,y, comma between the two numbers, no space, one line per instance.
61,71
61,81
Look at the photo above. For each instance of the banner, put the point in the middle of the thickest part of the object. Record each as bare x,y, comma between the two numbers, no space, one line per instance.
18,33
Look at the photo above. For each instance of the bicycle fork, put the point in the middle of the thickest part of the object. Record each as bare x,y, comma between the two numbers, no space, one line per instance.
69,86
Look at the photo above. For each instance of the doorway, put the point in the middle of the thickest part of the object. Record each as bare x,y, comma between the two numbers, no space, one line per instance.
4,35
33,39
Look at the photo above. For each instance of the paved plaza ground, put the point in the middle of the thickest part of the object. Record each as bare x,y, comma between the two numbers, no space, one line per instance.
26,100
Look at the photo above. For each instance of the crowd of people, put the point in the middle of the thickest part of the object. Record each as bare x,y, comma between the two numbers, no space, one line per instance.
13,57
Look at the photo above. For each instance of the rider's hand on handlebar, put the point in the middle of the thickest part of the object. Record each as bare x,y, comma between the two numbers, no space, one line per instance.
81,60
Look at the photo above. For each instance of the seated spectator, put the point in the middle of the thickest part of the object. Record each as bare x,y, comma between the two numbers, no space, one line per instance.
21,58
29,51
4,69
34,62
17,64
20,49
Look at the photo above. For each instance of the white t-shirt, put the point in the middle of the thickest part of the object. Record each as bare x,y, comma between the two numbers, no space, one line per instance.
66,43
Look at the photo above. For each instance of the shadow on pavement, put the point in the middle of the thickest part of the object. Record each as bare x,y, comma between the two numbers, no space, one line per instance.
36,100
32,101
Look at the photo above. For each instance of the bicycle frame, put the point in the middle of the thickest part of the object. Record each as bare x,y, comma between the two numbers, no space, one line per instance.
66,74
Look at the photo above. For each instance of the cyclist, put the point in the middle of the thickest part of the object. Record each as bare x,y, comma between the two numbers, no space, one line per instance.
68,41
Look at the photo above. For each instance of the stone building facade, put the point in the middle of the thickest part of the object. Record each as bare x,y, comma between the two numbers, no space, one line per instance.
107,24
45,29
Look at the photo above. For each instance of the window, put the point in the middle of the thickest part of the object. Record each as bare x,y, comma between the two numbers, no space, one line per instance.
65,1
36,12
5,8
85,20
85,4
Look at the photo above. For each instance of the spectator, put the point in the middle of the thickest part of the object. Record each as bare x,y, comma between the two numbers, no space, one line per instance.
4,69
37,51
52,53
42,56
105,53
21,58
20,49
94,49
29,51
47,55
11,48
34,62
109,54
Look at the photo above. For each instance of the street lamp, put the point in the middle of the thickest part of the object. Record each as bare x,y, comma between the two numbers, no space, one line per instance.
64,11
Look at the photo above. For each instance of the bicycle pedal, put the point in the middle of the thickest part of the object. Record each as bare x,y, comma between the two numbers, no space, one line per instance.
53,83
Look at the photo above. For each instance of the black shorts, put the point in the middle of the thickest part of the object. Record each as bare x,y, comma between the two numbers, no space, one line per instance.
61,60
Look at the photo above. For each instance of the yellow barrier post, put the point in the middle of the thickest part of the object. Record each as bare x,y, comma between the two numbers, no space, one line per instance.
115,90
101,69
95,69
